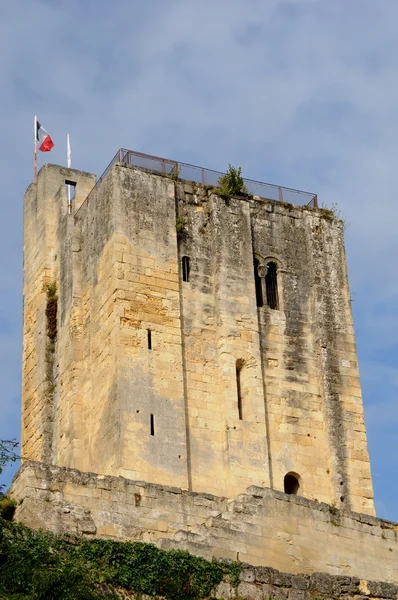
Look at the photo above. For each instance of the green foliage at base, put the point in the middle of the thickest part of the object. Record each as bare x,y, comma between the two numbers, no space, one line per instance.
40,566
7,507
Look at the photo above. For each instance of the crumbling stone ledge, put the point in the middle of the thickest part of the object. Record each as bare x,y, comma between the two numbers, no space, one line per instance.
264,583
263,527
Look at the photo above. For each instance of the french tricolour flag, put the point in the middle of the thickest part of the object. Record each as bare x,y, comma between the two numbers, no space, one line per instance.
44,142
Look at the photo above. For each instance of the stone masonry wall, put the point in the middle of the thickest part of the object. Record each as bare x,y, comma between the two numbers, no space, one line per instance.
301,400
45,206
263,583
144,371
262,527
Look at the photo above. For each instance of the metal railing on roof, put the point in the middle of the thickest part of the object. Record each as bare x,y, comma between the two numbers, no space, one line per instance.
165,166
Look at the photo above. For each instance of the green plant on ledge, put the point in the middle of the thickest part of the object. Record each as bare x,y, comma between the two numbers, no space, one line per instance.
174,173
232,183
181,229
334,212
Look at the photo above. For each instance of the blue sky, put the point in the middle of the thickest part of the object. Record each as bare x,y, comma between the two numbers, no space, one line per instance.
303,93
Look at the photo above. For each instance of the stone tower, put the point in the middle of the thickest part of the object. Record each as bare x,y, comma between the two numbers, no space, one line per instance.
182,338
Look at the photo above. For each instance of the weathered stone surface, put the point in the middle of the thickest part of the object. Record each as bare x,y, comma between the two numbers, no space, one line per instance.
382,590
161,380
248,575
92,399
284,533
248,590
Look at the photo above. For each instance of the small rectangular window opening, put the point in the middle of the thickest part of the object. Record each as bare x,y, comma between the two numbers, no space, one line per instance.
149,334
71,191
185,268
152,421
238,389
258,284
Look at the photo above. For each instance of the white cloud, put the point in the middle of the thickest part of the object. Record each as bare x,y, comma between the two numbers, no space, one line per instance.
299,92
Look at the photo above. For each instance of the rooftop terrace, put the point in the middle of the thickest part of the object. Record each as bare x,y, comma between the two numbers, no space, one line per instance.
188,172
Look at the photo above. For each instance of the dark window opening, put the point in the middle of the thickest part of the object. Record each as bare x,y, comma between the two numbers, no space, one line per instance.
291,484
71,191
149,334
258,284
152,425
185,268
271,285
239,388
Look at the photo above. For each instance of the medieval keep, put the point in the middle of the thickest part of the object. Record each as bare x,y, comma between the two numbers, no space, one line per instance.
186,355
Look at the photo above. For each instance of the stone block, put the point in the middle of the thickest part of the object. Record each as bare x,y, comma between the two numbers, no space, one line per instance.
298,594
380,589
265,574
250,591
248,575
224,591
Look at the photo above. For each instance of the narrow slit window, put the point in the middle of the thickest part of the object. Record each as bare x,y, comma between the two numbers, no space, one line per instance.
149,335
258,284
152,424
185,268
239,388
271,285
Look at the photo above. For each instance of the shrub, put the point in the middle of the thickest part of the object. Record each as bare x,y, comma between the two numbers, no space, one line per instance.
7,508
232,183
41,566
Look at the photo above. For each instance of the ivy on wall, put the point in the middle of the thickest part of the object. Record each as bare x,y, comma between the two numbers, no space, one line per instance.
41,566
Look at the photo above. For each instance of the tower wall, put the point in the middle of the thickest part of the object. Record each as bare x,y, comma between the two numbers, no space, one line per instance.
313,393
262,527
45,209
230,394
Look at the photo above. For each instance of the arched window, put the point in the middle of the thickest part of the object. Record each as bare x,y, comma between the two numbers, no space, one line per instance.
291,483
271,286
258,283
185,268
239,365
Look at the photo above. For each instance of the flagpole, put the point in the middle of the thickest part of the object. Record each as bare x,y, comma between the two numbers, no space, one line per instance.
69,164
35,149
68,154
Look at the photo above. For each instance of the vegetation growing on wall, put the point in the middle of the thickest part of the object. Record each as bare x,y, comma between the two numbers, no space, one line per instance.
181,228
51,311
333,212
40,566
174,173
51,330
232,183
